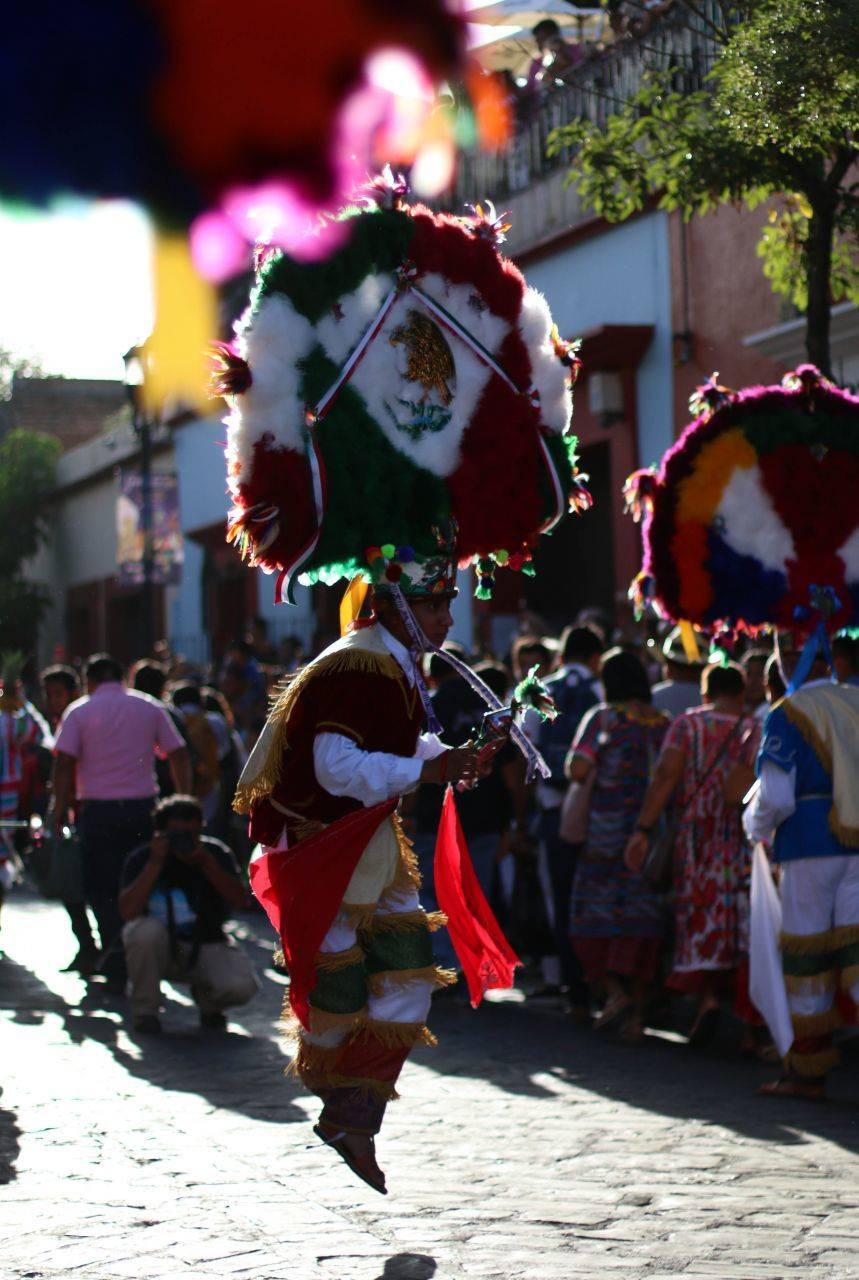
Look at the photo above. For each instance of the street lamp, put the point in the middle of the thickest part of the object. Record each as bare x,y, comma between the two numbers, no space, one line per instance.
142,424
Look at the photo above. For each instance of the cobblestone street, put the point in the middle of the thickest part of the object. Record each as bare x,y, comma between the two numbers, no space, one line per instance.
522,1147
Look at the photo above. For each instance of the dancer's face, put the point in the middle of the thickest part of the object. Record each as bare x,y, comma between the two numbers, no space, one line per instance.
433,617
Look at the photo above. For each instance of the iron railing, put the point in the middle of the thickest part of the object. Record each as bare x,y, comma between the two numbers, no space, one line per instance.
683,45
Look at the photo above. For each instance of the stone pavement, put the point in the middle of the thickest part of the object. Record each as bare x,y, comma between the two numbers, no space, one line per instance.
522,1147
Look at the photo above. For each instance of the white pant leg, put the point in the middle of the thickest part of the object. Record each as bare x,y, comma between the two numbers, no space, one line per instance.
847,922
391,999
808,892
222,977
147,957
341,936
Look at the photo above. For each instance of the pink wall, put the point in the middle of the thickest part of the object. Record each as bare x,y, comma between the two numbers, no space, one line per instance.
729,298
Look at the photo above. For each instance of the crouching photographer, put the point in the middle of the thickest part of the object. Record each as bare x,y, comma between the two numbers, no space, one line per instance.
175,898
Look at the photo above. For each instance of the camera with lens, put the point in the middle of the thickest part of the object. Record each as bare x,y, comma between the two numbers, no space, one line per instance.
181,843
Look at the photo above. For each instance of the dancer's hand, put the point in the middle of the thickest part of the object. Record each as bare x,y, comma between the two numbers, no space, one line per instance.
458,764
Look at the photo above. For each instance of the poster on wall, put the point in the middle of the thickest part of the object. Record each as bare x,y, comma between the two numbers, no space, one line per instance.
167,546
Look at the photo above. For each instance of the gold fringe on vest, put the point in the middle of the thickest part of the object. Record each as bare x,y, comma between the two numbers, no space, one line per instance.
346,659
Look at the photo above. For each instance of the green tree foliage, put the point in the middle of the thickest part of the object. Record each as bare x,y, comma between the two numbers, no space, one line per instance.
12,364
27,462
778,121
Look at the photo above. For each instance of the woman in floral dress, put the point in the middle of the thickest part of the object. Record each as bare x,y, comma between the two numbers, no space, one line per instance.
617,922
707,763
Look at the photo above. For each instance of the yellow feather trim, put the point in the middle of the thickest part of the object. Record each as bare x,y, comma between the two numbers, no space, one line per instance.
815,1024
331,961
812,1064
387,978
399,1035
348,658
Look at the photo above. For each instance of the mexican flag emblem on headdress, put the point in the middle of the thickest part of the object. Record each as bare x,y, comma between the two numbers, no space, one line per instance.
408,385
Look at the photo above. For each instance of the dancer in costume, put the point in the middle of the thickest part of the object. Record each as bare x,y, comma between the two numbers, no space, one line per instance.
751,523
398,409
807,809
346,734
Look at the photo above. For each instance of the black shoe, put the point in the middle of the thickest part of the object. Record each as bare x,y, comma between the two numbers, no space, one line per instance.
85,963
216,1021
147,1024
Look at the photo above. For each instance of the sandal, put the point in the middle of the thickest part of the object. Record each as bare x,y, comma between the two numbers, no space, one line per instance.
365,1167
791,1087
614,1013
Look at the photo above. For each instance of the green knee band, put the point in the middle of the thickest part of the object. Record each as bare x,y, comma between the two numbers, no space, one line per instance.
393,949
340,990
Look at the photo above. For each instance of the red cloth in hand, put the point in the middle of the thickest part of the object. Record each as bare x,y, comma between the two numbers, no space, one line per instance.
301,890
488,961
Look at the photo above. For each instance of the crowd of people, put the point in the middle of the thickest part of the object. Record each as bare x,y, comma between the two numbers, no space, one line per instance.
623,878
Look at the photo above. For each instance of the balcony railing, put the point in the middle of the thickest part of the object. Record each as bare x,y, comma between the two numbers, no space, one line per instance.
683,45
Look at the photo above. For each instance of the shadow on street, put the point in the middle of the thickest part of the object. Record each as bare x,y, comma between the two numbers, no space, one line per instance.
508,1044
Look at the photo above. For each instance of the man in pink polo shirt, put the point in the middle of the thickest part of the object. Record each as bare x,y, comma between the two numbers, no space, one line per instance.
106,744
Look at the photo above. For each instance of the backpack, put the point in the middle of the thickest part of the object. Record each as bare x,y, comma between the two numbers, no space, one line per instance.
573,695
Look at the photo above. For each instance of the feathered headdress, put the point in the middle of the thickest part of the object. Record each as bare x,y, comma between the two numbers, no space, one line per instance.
753,517
409,382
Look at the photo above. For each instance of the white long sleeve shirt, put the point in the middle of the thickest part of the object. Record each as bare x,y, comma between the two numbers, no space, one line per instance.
773,800
344,769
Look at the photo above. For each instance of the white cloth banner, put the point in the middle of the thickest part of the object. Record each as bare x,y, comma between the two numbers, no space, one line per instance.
766,980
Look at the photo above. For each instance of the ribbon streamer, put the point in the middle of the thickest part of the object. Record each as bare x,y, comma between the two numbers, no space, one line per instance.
451,323
288,574
817,642
355,358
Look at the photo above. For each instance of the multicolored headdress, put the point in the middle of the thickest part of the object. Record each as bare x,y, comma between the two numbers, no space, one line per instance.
753,517
409,382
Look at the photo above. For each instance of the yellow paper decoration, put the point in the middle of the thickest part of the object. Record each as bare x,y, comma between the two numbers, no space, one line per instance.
690,642
350,605
185,320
